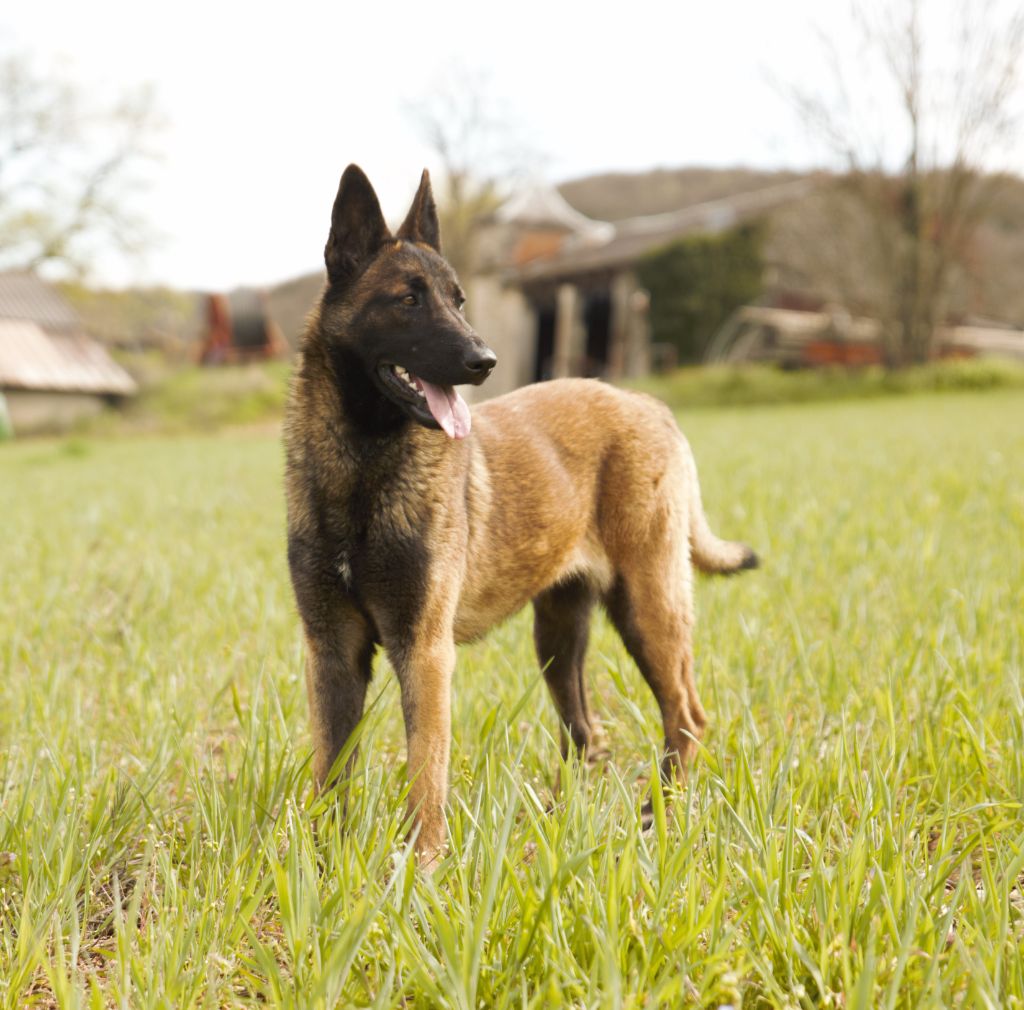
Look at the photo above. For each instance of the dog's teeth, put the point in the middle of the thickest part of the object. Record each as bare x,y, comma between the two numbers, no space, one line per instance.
406,377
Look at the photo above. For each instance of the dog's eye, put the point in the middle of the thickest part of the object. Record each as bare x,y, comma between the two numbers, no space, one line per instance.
411,299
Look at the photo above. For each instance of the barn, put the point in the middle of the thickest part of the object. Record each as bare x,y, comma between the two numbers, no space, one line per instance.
556,293
52,373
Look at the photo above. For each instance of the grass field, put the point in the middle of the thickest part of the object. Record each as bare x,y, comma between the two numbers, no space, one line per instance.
852,835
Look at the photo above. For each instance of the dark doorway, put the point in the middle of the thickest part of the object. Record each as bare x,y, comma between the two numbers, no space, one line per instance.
597,317
545,344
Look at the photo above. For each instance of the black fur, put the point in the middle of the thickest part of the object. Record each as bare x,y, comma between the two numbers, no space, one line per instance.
561,629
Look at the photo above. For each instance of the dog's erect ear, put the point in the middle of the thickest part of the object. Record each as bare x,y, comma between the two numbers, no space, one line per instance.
420,224
358,228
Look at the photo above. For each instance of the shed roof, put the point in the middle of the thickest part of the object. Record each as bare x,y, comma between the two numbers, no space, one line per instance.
25,296
543,206
67,362
630,239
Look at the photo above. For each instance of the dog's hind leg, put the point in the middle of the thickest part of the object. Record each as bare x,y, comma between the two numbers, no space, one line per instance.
561,627
655,622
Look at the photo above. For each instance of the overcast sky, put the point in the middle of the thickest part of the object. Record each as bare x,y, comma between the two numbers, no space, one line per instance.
266,104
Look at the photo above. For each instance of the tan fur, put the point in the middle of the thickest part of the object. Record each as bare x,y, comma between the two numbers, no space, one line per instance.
562,481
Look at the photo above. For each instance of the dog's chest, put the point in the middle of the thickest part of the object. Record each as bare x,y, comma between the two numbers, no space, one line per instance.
380,532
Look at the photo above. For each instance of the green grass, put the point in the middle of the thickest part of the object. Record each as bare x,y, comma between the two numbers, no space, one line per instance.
743,385
852,834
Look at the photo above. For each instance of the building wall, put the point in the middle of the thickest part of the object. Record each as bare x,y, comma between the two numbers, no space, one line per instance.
506,322
34,412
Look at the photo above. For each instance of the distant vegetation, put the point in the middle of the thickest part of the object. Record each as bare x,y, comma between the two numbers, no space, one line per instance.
698,282
5,424
139,319
203,399
747,385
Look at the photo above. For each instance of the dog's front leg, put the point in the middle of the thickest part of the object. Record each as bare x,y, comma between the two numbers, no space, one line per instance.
338,668
425,673
339,654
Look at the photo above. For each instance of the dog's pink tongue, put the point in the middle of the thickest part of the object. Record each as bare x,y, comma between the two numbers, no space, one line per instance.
449,409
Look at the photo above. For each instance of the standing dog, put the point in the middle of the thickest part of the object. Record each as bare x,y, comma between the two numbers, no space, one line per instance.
405,530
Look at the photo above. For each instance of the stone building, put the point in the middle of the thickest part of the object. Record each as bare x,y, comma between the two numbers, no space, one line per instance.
556,293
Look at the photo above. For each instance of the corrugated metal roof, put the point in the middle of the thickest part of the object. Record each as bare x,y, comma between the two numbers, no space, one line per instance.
25,296
70,363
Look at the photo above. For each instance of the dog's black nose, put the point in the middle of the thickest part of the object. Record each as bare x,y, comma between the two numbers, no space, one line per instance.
480,361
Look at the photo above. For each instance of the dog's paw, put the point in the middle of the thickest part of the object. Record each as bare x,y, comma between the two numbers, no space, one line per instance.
429,858
597,754
647,816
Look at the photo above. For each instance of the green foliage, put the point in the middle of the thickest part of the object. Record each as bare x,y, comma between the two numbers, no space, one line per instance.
203,399
83,159
696,283
214,397
852,834
744,385
138,318
5,421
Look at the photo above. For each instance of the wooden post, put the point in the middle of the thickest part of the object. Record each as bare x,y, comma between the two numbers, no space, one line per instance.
638,339
622,286
566,310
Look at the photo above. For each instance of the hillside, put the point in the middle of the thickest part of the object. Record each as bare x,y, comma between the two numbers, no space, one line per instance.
615,196
289,303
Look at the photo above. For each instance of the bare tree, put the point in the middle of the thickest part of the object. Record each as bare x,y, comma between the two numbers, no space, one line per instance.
68,170
923,183
481,149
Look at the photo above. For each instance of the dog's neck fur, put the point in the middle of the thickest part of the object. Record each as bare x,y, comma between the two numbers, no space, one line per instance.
361,408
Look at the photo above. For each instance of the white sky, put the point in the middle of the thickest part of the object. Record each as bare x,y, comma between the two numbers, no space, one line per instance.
266,104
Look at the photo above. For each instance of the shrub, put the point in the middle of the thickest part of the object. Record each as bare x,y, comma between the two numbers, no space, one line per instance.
697,283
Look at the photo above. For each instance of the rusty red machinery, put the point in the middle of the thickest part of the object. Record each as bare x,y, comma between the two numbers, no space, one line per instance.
239,329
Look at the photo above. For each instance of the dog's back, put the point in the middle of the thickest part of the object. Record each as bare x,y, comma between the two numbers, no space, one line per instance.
581,477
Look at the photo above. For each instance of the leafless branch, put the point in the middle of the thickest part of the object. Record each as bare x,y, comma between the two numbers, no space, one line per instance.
924,201
482,151
67,169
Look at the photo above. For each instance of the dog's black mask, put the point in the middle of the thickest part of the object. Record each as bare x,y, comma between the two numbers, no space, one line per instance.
394,306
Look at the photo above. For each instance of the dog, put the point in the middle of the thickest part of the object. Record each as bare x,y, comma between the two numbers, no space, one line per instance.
415,525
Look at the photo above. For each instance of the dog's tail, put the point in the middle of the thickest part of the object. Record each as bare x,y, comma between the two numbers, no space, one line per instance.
709,553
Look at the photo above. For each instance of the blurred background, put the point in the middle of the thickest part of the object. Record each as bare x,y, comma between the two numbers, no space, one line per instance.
740,202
